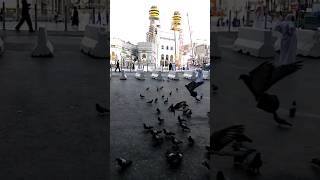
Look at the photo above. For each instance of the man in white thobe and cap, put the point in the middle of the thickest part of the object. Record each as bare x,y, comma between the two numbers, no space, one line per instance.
288,46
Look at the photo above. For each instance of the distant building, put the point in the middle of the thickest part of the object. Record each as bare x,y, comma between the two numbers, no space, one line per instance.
125,52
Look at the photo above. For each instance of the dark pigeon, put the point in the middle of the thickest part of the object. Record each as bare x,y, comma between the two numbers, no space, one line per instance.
141,96
123,163
149,102
101,110
260,79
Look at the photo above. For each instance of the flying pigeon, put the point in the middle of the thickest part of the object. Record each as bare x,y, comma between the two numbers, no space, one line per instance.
161,88
155,100
184,127
165,101
192,86
149,102
141,96
260,79
123,163
174,158
175,141
147,89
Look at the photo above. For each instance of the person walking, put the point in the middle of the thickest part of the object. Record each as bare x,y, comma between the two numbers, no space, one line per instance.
170,67
117,66
25,16
99,18
288,47
75,17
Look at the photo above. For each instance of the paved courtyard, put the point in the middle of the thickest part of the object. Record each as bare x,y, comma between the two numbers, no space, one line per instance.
286,152
128,140
49,128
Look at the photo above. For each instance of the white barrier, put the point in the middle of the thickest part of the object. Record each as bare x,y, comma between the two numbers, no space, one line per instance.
123,75
173,75
140,75
191,75
206,75
94,42
43,47
156,75
308,43
256,42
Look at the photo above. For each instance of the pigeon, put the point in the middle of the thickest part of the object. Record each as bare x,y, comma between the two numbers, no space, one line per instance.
206,164
147,89
123,163
220,176
158,111
175,141
157,138
221,138
280,121
256,163
191,141
101,110
316,161
162,96
161,88
170,93
180,105
292,111
147,127
174,158
192,86
189,113
197,100
141,96
149,102
171,109
168,133
177,89
155,100
260,79
156,132
180,119
201,97
165,101
160,120
184,127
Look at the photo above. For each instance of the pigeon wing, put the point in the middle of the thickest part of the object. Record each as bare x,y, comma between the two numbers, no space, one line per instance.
261,76
223,137
283,71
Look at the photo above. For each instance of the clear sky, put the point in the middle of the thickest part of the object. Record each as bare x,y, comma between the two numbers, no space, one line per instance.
129,19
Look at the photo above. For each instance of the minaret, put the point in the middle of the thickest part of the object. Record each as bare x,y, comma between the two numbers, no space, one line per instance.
176,22
154,24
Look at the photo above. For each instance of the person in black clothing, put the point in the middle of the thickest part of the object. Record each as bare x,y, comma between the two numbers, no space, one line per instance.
25,16
170,67
75,17
117,66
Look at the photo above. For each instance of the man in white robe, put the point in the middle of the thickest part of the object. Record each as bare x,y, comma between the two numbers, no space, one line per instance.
288,47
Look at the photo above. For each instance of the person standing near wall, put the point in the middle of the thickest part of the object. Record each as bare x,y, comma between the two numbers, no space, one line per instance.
25,16
75,17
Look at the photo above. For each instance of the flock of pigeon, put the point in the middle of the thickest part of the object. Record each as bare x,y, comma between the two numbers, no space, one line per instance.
159,134
258,81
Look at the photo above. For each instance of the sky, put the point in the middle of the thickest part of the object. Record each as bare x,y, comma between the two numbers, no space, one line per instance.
129,19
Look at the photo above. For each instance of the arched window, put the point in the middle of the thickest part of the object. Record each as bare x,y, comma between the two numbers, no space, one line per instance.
171,58
167,47
171,48
162,57
162,47
167,57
